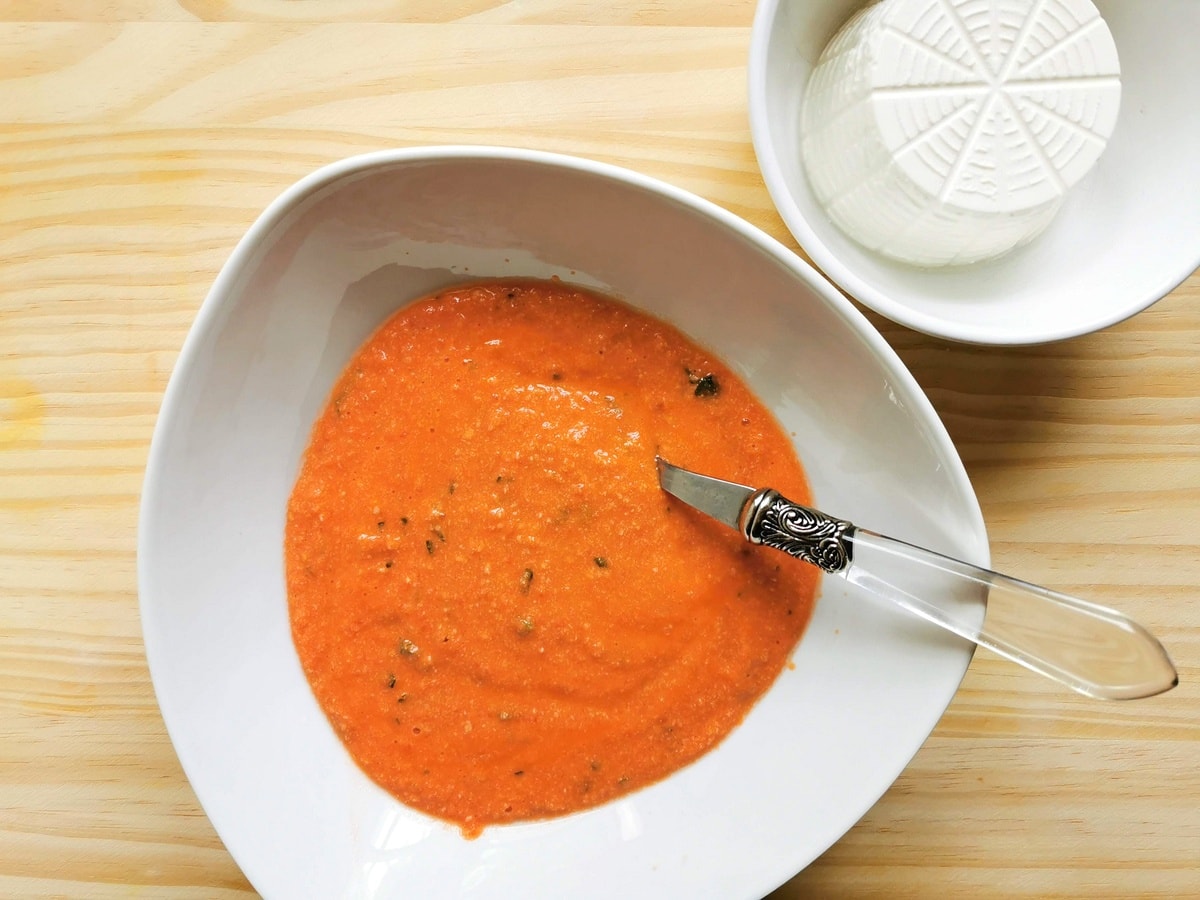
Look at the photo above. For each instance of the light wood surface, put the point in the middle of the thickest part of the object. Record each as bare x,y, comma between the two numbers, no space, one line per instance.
138,140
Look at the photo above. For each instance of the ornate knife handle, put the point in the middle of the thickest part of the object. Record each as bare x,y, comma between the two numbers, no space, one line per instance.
808,534
1091,649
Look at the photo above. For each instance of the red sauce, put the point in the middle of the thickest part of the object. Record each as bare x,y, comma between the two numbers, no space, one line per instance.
500,612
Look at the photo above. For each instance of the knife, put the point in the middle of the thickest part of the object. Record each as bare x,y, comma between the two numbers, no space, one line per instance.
1089,648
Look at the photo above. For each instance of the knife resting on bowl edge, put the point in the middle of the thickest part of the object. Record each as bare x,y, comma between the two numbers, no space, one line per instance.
1091,649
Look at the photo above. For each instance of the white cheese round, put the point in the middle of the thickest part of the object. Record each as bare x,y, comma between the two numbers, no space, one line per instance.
940,132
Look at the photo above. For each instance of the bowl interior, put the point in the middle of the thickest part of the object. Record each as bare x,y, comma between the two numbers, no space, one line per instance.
320,270
1127,234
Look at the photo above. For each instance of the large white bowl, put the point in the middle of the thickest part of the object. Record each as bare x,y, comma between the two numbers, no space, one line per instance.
322,267
1125,237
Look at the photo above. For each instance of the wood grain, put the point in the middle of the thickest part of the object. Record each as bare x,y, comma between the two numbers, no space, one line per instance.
138,140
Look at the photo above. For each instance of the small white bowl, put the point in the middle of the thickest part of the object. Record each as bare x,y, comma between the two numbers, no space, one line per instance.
323,266
1125,237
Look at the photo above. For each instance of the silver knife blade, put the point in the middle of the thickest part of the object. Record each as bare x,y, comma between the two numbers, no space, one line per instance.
723,500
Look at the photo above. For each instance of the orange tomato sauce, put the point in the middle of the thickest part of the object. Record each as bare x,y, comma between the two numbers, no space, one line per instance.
501,613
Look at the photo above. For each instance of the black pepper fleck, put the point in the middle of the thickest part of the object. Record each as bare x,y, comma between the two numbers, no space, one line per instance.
707,386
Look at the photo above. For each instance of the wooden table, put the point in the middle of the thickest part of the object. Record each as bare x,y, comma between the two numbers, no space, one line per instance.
138,140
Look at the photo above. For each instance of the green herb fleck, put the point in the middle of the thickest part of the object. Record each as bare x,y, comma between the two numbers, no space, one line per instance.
429,547
524,624
601,562
391,680
526,580
407,648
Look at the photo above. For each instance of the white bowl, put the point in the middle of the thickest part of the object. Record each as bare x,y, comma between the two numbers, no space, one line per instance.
322,267
1125,237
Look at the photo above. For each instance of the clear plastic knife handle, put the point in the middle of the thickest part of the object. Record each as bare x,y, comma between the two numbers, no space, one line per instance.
1089,648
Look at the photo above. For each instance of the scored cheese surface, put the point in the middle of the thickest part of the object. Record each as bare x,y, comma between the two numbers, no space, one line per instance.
948,131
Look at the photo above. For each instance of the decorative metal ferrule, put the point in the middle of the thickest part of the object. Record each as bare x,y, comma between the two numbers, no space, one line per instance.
770,518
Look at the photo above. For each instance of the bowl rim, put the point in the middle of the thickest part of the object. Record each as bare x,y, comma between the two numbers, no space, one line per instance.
766,16
208,313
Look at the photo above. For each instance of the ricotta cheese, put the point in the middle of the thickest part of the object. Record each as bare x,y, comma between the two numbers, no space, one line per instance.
940,132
